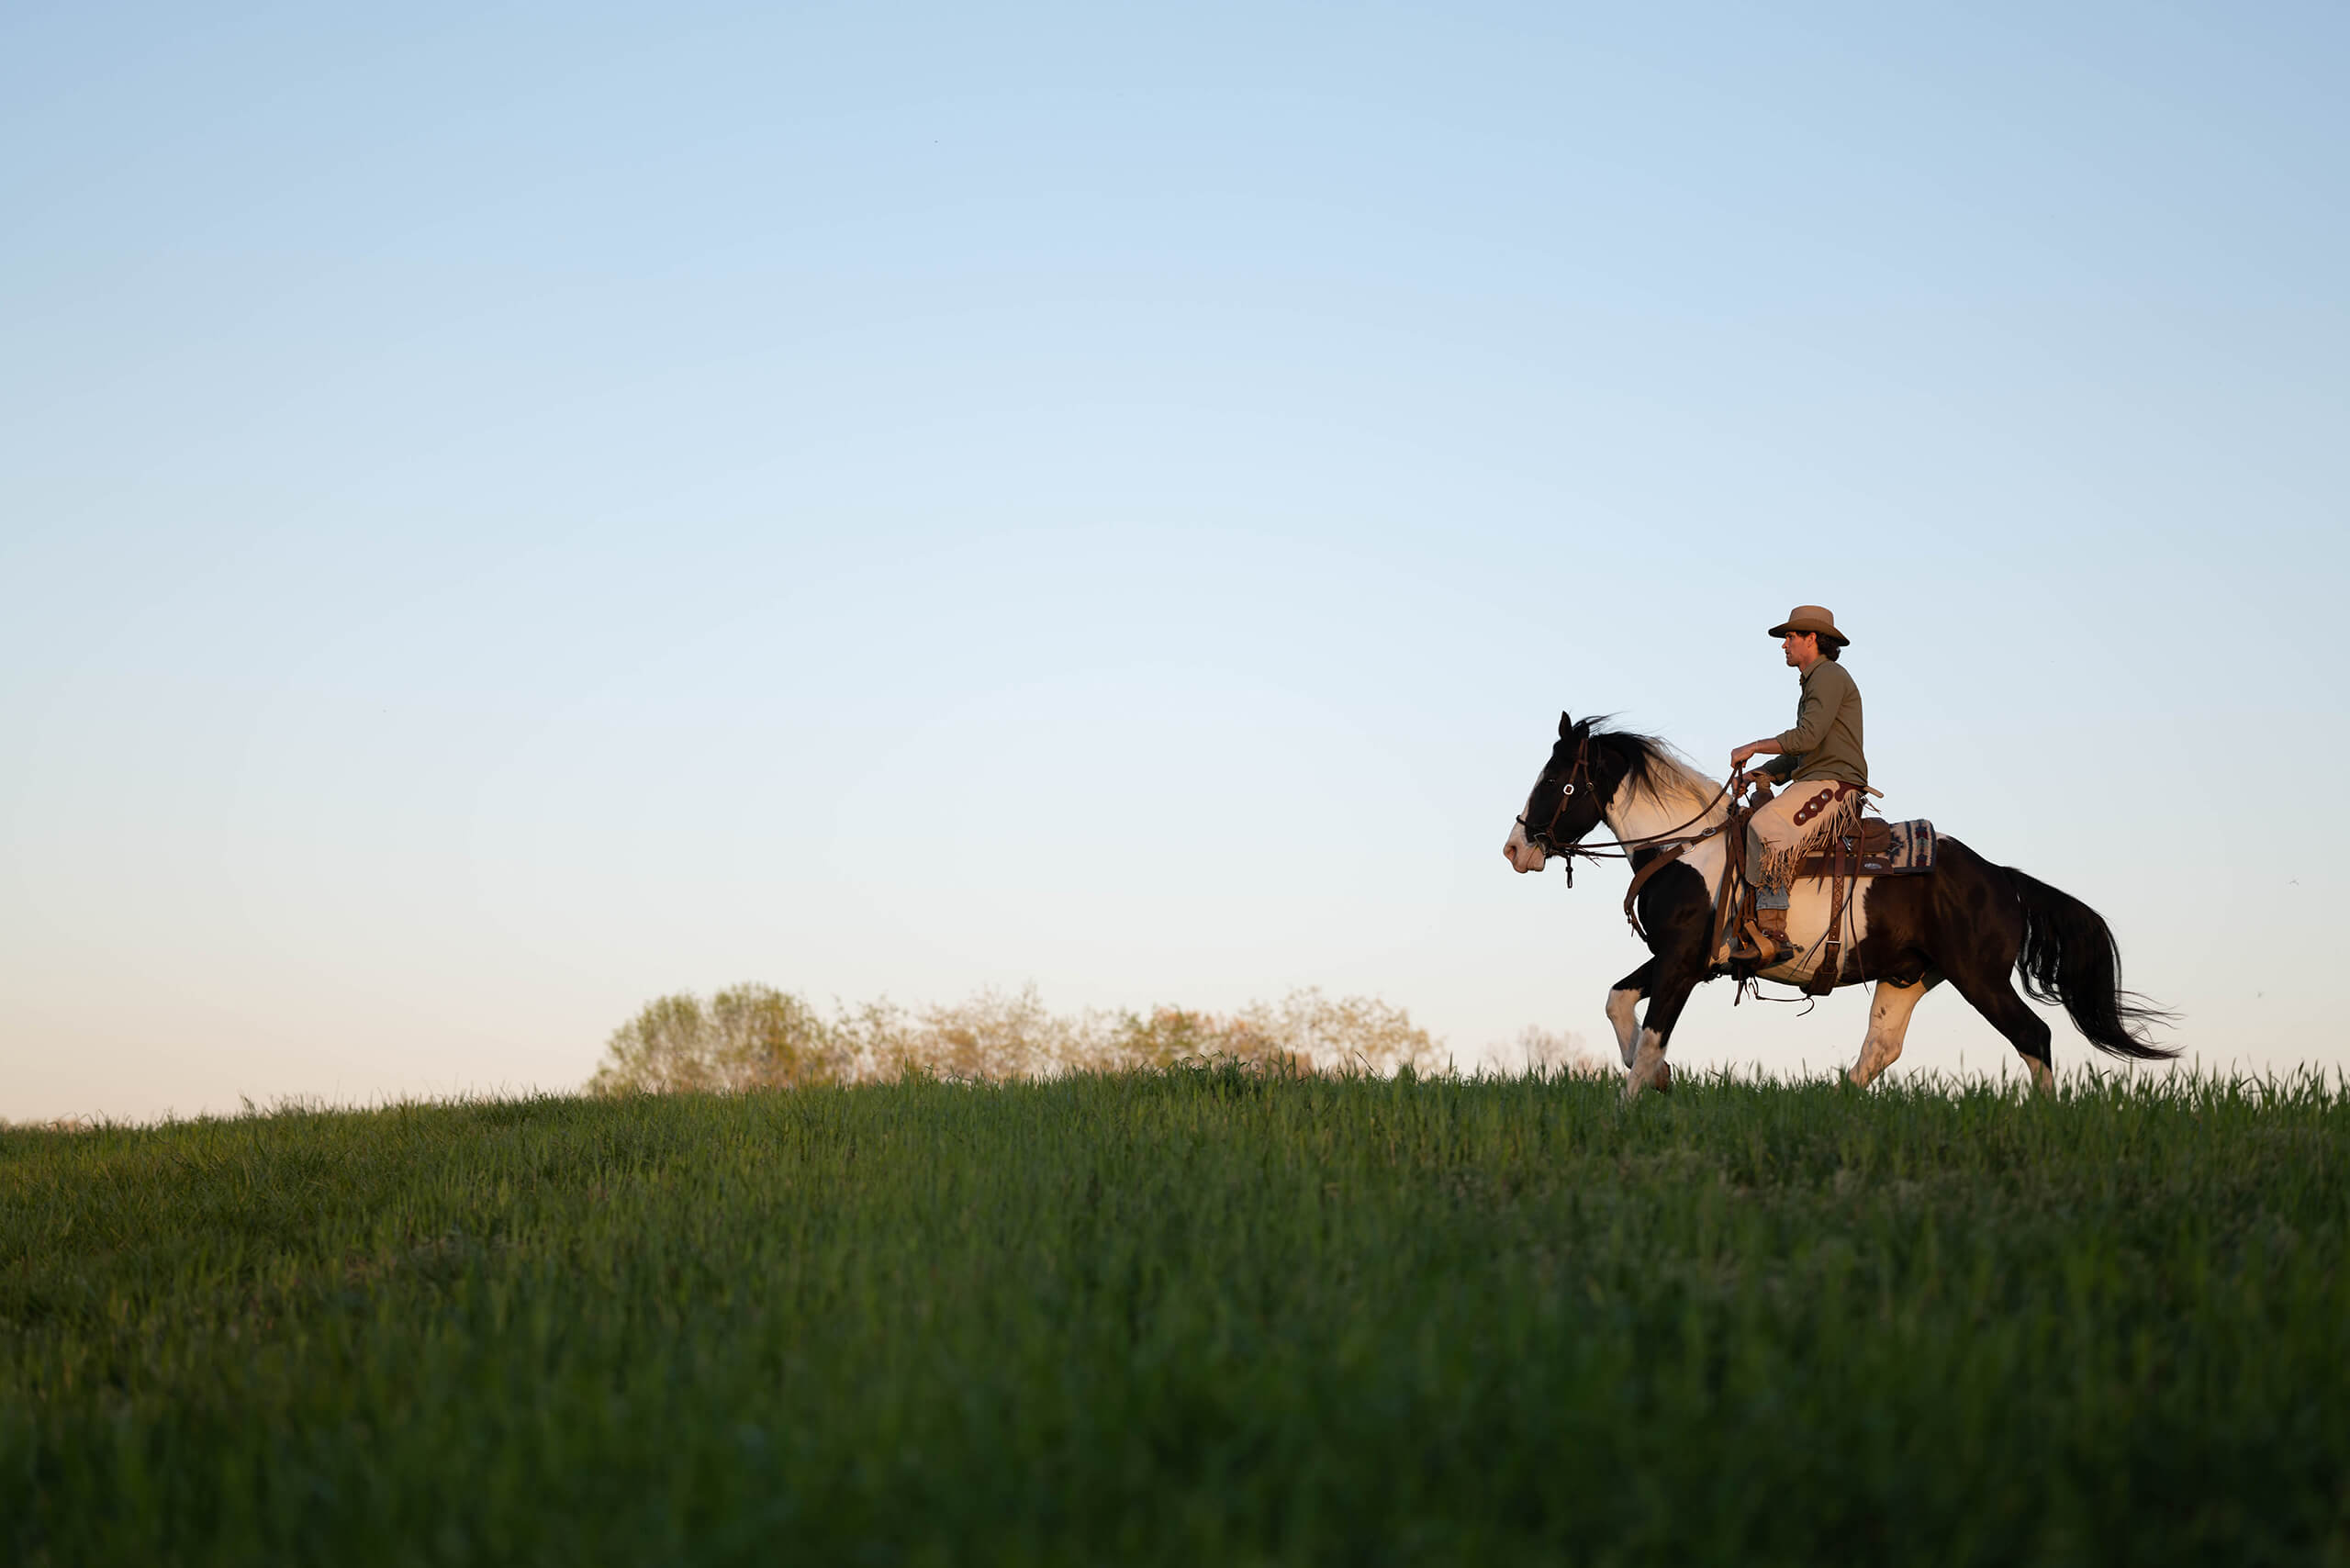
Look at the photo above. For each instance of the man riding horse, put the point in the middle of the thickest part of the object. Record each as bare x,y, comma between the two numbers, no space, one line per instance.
1919,909
1821,763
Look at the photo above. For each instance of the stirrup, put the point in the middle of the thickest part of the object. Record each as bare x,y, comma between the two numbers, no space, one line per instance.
1762,949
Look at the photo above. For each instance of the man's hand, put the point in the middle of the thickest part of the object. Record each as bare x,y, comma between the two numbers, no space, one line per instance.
1738,758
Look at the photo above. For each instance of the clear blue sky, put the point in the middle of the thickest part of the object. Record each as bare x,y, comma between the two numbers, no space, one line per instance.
510,512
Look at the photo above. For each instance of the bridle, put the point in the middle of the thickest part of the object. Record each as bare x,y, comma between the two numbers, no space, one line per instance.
1618,849
1540,836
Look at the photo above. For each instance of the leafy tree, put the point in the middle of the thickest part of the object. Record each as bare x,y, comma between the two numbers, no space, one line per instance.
750,1036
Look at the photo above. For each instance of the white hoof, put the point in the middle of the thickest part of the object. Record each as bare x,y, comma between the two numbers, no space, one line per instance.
1650,1070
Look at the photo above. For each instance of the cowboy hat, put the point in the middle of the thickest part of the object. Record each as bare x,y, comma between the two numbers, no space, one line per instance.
1810,618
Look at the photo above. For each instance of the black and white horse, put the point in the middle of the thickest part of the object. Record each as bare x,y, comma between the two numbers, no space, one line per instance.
1967,920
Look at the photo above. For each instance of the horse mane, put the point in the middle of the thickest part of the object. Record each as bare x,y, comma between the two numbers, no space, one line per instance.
1650,765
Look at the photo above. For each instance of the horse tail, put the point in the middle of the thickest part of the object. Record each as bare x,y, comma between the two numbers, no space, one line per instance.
2069,956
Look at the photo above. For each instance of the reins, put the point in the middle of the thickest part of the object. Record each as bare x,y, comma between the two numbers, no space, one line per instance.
1625,848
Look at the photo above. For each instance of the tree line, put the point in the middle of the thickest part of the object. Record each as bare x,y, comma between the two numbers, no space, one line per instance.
756,1037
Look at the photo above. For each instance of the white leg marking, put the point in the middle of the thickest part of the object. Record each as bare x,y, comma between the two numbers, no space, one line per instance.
2044,1077
1620,1004
1889,1013
1649,1070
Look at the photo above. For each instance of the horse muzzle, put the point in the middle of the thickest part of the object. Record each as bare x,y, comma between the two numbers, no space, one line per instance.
1523,855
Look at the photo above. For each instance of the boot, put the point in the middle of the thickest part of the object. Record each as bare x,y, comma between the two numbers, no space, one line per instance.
1753,946
1730,921
1770,935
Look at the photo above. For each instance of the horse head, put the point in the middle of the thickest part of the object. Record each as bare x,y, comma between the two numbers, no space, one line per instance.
1569,798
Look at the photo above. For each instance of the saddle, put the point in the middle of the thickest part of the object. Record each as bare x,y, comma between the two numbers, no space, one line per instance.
1872,848
1878,848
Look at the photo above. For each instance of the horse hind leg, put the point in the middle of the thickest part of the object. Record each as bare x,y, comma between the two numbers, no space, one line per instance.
1996,999
1889,1011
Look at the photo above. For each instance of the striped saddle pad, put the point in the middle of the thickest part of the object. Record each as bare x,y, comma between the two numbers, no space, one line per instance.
1878,848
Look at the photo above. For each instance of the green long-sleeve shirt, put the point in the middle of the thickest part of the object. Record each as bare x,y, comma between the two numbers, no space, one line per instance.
1826,741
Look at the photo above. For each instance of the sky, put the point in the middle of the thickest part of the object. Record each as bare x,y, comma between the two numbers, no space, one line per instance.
506,512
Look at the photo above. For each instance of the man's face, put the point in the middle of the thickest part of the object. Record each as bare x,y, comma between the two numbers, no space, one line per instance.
1801,648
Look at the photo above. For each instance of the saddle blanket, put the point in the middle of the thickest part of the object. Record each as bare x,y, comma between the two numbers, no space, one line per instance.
1878,848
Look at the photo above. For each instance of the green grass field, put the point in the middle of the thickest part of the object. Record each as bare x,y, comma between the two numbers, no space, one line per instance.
1198,1317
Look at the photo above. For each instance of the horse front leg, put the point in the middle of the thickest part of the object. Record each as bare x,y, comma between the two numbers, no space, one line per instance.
1622,1002
1889,1012
1670,993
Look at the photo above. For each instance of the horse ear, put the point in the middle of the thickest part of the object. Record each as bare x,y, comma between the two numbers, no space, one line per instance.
1566,725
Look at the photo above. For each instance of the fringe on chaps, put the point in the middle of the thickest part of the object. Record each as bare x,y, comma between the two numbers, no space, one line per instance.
1777,843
